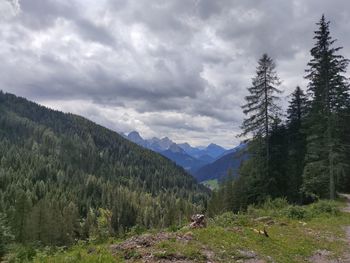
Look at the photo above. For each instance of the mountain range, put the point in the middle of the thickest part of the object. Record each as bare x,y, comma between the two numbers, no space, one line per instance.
189,157
204,163
230,161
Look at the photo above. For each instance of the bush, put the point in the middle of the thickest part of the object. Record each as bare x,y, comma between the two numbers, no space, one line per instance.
275,204
136,230
229,219
324,207
22,253
296,212
271,207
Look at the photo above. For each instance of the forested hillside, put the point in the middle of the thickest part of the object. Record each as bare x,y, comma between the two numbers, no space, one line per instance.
62,178
228,163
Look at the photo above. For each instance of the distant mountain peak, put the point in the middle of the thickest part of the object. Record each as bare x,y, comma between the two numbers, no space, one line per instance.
134,133
135,137
189,157
176,148
165,143
215,146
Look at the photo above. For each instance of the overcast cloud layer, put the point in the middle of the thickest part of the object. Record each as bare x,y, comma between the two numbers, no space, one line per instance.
165,68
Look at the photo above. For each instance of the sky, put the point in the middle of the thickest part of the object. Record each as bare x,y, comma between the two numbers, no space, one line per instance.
176,68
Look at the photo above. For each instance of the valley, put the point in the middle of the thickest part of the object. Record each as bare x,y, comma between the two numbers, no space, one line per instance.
174,131
211,162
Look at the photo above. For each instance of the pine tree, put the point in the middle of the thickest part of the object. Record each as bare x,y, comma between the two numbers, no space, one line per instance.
261,108
296,115
277,181
228,190
297,108
328,89
21,211
5,236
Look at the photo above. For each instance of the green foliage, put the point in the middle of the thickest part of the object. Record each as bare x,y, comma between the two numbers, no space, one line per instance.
230,218
21,253
212,184
329,88
293,238
280,208
78,254
5,235
317,209
307,157
59,172
296,212
104,227
326,207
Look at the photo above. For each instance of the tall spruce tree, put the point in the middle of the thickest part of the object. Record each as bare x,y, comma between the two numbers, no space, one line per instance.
296,114
328,89
277,181
261,108
262,111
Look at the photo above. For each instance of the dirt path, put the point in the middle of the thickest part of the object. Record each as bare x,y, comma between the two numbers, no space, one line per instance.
347,208
322,256
347,228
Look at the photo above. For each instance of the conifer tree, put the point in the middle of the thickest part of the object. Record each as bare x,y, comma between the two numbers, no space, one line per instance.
261,108
19,219
296,114
328,89
277,181
5,235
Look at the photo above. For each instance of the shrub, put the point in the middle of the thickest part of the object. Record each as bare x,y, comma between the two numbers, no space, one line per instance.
324,207
22,254
229,219
296,212
275,204
271,207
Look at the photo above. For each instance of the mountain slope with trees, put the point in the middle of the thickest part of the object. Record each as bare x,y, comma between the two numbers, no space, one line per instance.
217,170
63,177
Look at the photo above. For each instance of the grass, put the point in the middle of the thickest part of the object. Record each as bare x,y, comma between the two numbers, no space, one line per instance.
291,241
213,184
76,254
295,234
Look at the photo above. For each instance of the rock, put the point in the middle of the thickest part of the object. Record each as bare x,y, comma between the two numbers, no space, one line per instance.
188,236
198,221
263,219
246,254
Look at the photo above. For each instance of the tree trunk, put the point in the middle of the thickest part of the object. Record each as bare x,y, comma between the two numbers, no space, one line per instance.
331,176
266,125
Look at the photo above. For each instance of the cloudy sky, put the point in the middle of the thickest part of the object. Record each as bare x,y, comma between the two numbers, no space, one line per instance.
176,68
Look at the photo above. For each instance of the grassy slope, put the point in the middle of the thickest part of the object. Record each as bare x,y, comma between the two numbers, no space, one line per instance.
291,239
213,184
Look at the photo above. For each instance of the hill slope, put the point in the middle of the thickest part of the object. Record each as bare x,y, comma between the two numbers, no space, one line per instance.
180,157
315,234
220,167
59,169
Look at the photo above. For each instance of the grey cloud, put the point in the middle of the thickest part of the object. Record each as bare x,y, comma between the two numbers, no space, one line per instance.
89,31
42,14
176,123
159,66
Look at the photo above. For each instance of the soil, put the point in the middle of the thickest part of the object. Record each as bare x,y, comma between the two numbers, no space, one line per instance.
322,256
